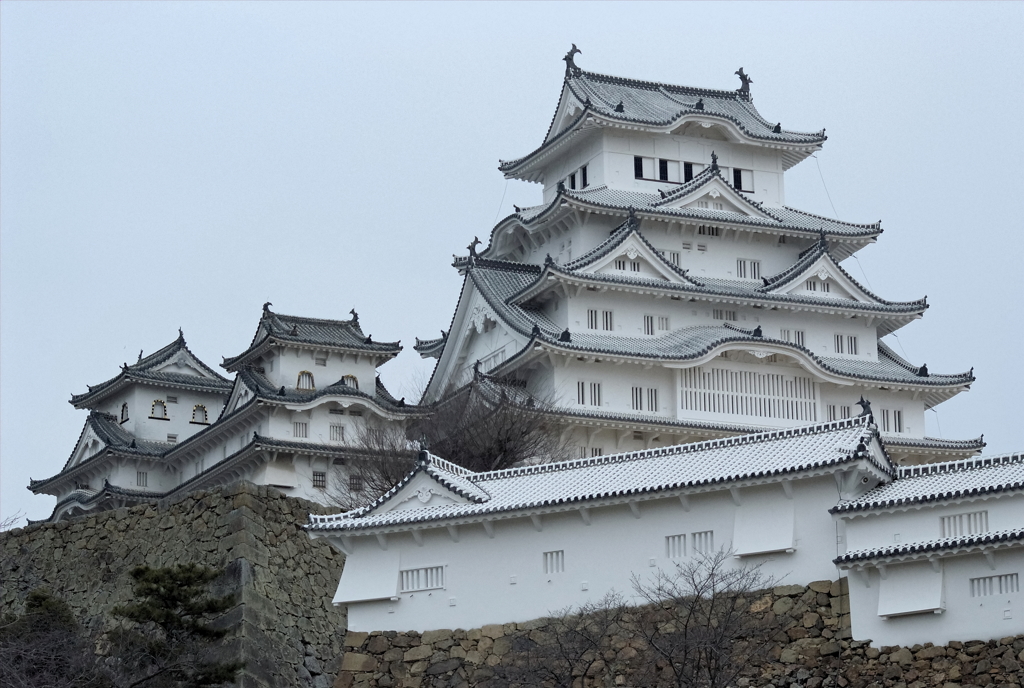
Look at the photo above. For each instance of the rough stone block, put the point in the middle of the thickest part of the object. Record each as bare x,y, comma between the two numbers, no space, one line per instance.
783,606
430,637
353,661
829,648
492,631
821,586
356,638
417,653
444,667
932,652
788,590
903,656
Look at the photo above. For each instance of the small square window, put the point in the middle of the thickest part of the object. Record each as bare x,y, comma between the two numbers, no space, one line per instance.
321,360
337,433
355,483
320,480
142,479
172,438
300,429
172,400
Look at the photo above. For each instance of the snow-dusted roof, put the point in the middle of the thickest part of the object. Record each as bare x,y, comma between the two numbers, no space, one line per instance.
145,371
957,545
943,481
635,475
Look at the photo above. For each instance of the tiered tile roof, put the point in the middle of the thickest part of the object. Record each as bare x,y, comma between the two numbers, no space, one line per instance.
943,481
951,545
622,477
259,385
142,371
631,102
313,333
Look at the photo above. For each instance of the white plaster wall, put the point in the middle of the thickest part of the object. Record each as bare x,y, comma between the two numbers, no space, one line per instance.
923,522
964,618
598,558
140,403
285,364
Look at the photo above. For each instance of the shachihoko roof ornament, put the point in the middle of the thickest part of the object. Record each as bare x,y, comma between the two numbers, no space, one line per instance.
745,81
571,69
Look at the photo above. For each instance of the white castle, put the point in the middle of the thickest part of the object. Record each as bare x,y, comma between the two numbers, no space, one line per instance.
723,377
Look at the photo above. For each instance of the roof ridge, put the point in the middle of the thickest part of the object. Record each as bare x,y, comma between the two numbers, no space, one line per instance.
626,457
867,225
960,465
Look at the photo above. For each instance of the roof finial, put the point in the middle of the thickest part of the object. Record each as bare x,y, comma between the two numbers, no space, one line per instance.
571,69
757,332
295,330
472,247
865,407
140,356
266,307
355,316
566,336
181,335
714,161
548,260
923,370
745,81
536,330
631,220
699,105
777,129
369,339
619,107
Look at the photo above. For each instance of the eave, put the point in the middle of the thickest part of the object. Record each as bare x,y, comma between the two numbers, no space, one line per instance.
234,363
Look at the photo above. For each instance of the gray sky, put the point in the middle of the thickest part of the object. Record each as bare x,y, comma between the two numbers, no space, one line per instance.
178,164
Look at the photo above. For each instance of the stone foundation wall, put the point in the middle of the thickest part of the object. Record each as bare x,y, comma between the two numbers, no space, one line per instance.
817,653
284,627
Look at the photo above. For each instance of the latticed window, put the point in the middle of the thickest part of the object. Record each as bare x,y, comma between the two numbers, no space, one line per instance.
305,381
355,483
141,479
300,429
320,480
554,562
337,433
350,381
159,409
199,414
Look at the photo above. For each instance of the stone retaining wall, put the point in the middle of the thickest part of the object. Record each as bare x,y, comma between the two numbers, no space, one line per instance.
818,653
284,627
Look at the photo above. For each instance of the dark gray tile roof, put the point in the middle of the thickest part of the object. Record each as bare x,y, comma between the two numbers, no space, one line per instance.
313,332
936,443
114,438
499,284
943,481
259,385
634,102
967,543
636,475
431,348
142,372
739,289
87,497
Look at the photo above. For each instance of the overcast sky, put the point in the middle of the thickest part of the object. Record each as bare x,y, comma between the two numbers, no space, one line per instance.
176,164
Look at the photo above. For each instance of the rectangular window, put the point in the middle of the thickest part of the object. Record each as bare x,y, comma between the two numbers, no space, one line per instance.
798,337
300,429
355,483
592,318
171,399
606,320
337,433
708,389
687,246
337,412
675,546
649,324
851,345
703,542
638,398
960,525
596,451
743,180
554,562
172,438
583,177
198,466
320,361
687,171
707,230
825,287
782,239
886,420
620,265
722,314
663,322
426,578
1006,584
652,400
673,257
748,269
786,335
572,180
663,170
583,452
811,285
897,421
588,393
634,265
320,480
839,343
355,413
638,167
755,269
595,393
142,479
702,248
844,411
832,412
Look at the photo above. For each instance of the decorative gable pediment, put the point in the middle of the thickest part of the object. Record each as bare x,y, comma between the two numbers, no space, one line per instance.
88,445
715,194
182,364
824,279
421,492
634,258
